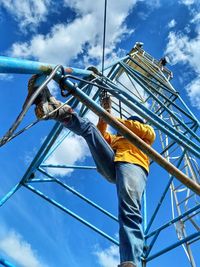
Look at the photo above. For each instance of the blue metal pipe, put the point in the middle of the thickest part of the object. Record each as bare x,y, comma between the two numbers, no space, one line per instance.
162,197
139,108
68,166
156,77
85,109
6,263
73,191
63,137
141,82
116,62
43,151
174,93
153,118
159,205
173,221
22,66
58,142
151,245
170,87
72,103
10,193
74,90
74,215
185,240
157,209
42,180
192,114
46,146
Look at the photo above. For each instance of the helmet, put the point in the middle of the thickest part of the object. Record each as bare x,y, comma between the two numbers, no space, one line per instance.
136,118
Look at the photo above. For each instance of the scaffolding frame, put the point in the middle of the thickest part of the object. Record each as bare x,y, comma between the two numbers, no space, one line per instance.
141,84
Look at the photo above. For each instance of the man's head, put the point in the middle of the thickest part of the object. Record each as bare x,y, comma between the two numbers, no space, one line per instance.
136,118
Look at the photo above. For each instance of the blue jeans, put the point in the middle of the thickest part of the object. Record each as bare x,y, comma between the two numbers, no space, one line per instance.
130,180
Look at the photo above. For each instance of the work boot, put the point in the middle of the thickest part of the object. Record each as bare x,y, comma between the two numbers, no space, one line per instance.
46,105
43,96
127,264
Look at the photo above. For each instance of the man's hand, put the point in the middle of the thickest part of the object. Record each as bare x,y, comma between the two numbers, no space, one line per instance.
106,103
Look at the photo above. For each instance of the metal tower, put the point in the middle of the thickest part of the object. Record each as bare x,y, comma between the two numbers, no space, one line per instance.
137,83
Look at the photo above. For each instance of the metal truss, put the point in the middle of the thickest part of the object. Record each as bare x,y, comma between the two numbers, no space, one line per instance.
138,83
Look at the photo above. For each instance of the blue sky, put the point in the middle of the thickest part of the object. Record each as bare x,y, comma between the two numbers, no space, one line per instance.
69,32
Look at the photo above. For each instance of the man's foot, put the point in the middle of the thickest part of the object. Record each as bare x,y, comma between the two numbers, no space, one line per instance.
53,109
47,106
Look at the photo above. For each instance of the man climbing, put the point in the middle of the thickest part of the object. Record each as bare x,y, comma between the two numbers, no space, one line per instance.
117,159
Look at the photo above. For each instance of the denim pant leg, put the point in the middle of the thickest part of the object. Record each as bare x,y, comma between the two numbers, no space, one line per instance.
131,182
102,153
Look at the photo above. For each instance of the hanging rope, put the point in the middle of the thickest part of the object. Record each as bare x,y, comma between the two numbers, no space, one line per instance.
104,35
103,93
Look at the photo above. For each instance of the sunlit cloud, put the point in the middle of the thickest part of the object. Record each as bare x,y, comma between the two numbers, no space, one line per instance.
108,257
28,13
61,45
183,49
18,249
71,151
172,23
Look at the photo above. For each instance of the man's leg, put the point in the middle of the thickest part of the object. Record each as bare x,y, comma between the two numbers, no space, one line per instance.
131,182
102,153
47,105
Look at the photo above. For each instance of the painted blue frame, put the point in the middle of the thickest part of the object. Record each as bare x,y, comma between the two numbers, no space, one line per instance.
188,140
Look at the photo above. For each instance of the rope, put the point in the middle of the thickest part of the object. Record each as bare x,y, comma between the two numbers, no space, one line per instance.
104,35
103,93
35,122
9,134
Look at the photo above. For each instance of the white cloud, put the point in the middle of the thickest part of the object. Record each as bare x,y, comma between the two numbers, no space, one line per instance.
6,77
84,34
154,3
196,21
61,44
108,257
187,2
28,13
182,49
172,24
193,90
19,250
72,150
196,18
178,48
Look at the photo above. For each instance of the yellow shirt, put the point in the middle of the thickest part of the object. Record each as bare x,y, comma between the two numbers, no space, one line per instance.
124,149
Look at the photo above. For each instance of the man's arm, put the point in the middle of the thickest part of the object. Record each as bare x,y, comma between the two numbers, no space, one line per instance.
102,125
